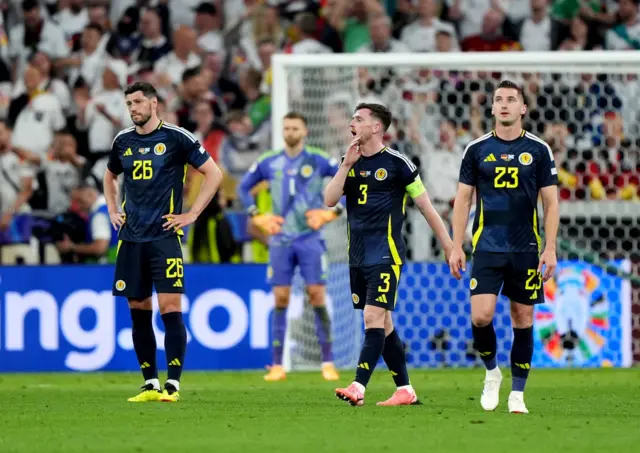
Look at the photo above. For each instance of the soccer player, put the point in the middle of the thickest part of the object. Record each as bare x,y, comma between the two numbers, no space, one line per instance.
296,175
508,168
376,181
153,156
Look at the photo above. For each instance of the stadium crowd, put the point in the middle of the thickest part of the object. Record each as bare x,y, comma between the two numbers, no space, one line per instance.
64,64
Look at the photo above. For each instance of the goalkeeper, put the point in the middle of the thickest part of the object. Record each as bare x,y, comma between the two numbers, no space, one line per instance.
296,175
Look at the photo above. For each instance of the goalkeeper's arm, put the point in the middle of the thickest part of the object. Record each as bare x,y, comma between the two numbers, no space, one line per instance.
248,182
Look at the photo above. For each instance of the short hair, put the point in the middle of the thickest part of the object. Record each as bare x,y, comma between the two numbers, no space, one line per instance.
235,116
96,27
146,88
190,73
293,115
307,23
378,111
513,86
254,77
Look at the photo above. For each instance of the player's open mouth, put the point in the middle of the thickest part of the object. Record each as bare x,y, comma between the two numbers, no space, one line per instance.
353,132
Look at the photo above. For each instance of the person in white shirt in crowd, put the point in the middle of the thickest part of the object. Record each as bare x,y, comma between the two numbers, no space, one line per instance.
536,31
381,40
305,26
470,15
72,18
625,35
42,117
16,181
102,239
105,113
16,188
61,169
207,24
36,33
169,69
99,15
87,64
42,62
420,35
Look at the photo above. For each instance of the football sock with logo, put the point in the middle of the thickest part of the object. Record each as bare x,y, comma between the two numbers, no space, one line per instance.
175,343
521,355
395,358
485,342
323,329
278,332
144,342
369,355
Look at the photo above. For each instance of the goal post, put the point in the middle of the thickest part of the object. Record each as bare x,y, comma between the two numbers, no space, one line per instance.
587,102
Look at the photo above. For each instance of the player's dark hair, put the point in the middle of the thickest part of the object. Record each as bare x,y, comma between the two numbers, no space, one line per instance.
147,90
296,116
378,111
513,86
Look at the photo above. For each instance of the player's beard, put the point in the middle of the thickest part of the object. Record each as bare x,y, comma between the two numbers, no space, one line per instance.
292,142
143,121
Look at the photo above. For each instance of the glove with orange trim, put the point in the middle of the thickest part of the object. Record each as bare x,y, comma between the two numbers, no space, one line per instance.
317,218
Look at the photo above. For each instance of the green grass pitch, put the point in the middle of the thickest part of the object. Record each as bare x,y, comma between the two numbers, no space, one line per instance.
571,411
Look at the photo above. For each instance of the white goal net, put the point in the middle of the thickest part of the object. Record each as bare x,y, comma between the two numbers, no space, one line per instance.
585,105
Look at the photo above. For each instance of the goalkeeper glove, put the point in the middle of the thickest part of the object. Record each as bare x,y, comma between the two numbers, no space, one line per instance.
316,218
268,223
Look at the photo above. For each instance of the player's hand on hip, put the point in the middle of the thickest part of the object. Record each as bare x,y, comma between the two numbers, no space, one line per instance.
117,219
353,153
457,262
549,261
176,222
269,223
316,218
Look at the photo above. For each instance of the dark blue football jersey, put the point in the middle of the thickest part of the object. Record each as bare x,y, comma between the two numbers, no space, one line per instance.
155,169
376,195
508,176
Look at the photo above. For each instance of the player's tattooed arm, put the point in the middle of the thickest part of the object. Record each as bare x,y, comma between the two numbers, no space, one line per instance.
551,209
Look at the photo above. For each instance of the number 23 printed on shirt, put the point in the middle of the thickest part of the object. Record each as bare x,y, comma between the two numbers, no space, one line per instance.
506,177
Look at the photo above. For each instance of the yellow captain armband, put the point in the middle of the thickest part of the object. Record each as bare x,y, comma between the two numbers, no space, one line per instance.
416,188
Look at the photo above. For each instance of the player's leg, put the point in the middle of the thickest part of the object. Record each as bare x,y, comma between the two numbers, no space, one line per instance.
280,275
310,255
165,260
524,290
394,354
380,297
133,281
487,277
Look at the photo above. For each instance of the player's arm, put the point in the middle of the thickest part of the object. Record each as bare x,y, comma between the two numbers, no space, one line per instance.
548,181
462,205
110,185
422,201
209,187
317,218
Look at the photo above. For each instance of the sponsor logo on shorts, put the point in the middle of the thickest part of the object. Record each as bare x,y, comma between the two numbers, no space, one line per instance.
473,284
159,149
121,285
381,174
355,298
525,159
306,171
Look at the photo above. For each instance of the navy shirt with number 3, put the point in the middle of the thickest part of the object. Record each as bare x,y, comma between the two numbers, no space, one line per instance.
154,167
508,176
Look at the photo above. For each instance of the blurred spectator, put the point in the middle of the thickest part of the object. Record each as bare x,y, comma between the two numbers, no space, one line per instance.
73,18
35,34
381,40
258,103
579,37
304,30
169,69
154,44
55,86
241,148
194,89
207,24
101,242
625,35
207,131
86,64
61,171
490,38
537,32
349,18
126,38
16,185
39,116
420,35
